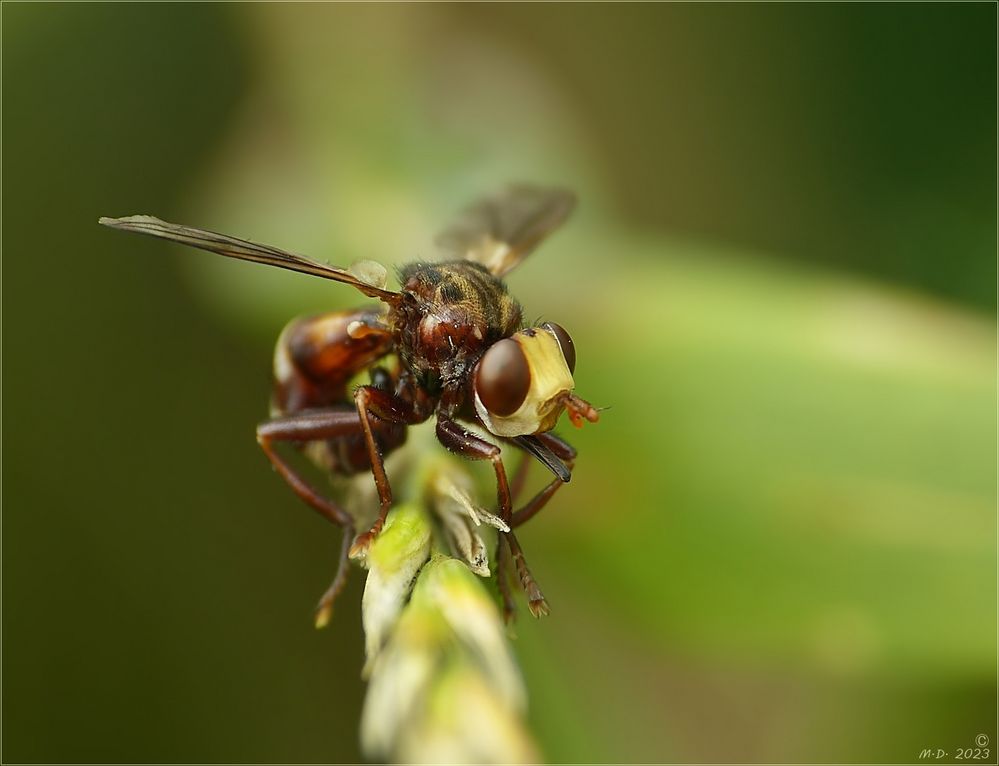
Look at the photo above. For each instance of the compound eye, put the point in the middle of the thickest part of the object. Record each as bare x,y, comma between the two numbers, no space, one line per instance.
503,378
564,342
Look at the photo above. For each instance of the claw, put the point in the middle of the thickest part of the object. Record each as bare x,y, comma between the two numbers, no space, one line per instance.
323,616
361,544
363,541
538,606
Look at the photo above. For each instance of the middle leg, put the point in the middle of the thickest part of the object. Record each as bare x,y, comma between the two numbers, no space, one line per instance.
384,405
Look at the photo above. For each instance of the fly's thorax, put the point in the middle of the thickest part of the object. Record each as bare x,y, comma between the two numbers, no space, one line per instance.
521,384
451,313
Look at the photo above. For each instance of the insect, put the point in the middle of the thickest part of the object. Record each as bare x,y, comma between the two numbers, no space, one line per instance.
450,344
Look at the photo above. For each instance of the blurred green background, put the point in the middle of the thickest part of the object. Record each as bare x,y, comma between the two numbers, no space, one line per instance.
780,542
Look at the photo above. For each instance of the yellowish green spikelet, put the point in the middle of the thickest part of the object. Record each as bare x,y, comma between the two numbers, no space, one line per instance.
443,682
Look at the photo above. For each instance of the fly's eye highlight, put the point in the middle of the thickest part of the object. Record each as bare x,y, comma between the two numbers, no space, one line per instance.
564,342
503,378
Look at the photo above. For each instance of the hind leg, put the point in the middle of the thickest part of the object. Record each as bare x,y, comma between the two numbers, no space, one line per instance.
324,609
304,427
308,426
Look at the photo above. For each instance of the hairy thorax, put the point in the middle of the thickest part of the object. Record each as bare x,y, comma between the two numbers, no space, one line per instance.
452,312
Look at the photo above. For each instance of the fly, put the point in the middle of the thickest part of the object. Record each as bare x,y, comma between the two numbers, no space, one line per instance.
449,344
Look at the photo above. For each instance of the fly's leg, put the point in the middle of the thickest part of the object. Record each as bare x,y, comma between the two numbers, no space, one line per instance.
537,502
503,581
374,402
565,452
535,598
309,426
304,427
463,442
324,609
519,477
517,481
467,444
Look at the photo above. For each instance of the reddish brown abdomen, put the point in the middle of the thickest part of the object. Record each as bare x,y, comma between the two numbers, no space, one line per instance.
316,357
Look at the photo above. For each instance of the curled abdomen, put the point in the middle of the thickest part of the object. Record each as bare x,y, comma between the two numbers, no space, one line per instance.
317,356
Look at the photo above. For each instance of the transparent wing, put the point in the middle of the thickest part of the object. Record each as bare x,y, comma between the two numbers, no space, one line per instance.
244,250
500,231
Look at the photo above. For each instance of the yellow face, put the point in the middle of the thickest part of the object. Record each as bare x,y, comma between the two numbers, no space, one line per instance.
522,383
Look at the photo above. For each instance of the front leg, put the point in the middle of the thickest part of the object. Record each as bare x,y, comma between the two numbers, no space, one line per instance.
463,442
560,450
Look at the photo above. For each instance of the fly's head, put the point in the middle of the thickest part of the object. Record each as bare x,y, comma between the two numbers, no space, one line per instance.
522,384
